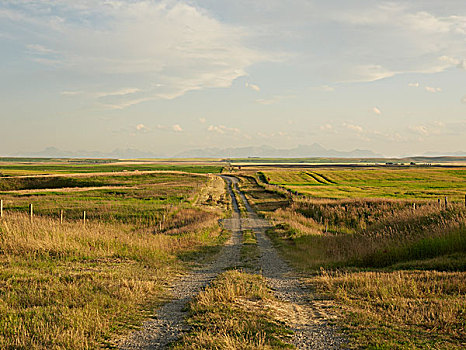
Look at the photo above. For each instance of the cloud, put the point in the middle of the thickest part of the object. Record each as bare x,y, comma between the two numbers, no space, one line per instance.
177,128
126,103
268,101
141,127
174,44
433,89
414,85
419,41
326,88
326,127
253,87
459,63
420,129
222,129
120,92
273,99
376,111
39,49
70,93
354,127
428,129
463,99
172,128
202,120
369,72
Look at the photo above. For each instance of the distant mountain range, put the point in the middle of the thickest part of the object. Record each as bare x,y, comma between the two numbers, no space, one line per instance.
301,151
314,150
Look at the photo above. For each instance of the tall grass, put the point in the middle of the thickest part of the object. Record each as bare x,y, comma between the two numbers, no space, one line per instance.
357,253
369,233
400,310
78,287
235,313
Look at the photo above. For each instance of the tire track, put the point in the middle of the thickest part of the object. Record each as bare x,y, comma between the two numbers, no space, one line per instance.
309,321
170,321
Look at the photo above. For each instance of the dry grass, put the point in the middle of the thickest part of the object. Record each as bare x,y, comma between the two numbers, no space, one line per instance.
234,313
75,287
367,233
382,261
400,310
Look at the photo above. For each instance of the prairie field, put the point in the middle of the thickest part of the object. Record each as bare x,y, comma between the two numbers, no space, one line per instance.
391,263
81,284
372,244
24,167
416,183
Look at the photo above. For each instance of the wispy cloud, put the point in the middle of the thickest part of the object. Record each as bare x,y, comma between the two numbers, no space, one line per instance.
71,93
202,120
416,85
177,128
433,89
141,127
326,127
326,88
428,129
354,127
222,129
420,129
272,100
193,50
36,48
377,111
253,87
172,128
120,92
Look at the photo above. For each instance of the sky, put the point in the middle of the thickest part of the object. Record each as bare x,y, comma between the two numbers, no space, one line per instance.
169,76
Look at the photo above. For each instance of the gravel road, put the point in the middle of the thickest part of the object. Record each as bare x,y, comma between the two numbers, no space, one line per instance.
170,322
308,318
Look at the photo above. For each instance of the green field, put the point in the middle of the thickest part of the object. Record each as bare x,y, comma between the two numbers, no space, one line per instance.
9,167
408,183
82,285
393,272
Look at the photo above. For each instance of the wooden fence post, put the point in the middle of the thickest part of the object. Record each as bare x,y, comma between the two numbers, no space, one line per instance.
61,216
465,200
414,206
446,202
31,211
1,208
439,203
84,218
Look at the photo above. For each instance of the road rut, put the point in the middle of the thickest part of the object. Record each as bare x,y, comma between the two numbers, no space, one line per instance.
170,320
309,320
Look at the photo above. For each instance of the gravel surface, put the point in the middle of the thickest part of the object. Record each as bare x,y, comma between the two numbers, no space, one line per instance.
308,318
170,320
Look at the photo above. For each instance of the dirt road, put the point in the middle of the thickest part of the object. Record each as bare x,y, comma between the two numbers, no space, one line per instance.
309,321
169,323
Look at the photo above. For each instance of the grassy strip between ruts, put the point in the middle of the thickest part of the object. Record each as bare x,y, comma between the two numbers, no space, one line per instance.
234,313
249,251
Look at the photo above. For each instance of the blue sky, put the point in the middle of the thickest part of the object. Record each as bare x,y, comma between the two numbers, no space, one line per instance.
167,76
